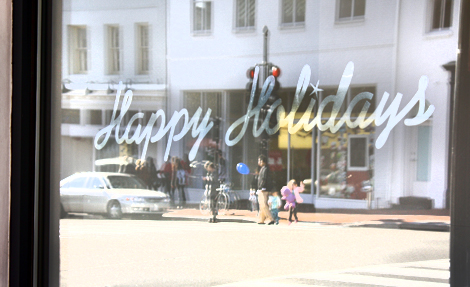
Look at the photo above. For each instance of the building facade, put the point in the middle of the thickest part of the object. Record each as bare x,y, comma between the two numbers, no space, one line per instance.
226,38
100,50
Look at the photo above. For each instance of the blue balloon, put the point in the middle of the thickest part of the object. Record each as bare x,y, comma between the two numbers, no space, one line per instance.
243,168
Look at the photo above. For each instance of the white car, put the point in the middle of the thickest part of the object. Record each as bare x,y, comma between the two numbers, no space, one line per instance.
112,194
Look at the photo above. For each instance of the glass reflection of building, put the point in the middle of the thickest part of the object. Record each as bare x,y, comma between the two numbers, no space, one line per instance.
207,49
105,43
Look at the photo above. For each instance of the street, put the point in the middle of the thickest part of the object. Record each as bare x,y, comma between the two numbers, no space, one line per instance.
192,252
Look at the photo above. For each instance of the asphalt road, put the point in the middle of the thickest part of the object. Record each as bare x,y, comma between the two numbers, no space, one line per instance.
183,252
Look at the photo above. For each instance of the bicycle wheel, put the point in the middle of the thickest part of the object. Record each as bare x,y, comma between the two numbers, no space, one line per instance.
236,200
222,202
204,205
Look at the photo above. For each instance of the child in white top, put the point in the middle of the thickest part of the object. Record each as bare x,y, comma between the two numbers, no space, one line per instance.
274,203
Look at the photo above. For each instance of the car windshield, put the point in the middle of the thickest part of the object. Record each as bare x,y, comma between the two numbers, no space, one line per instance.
125,182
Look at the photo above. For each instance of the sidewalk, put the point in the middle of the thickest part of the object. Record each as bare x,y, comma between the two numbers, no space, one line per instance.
432,220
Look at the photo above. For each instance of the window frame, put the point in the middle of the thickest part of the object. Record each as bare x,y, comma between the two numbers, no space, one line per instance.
351,18
244,28
294,23
74,61
430,17
34,235
112,50
140,48
358,168
204,31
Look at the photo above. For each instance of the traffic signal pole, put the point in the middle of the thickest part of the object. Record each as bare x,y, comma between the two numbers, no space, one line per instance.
264,141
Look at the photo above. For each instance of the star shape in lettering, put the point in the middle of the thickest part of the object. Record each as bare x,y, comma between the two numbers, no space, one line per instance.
315,88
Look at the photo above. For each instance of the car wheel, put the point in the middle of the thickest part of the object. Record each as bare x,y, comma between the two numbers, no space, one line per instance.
63,213
114,210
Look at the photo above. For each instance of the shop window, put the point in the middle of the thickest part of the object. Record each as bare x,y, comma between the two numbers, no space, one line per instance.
114,49
78,43
358,152
202,16
293,13
204,100
348,10
350,95
357,91
143,49
245,14
70,116
96,117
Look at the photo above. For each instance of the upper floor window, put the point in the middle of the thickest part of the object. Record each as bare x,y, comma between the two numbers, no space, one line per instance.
114,51
441,14
245,14
78,57
71,116
143,49
293,12
351,10
202,13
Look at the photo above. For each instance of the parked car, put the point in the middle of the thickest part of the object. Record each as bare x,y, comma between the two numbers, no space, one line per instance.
112,194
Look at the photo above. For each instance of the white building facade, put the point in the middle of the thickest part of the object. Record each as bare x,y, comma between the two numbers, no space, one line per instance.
212,43
105,43
190,54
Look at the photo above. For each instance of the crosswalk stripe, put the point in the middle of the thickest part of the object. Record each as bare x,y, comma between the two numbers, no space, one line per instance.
373,280
265,284
409,274
415,272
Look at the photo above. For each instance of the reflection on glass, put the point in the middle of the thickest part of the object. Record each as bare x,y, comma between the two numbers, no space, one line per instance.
177,56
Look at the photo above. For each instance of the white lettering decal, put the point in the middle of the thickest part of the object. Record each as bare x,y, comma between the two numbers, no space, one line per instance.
199,131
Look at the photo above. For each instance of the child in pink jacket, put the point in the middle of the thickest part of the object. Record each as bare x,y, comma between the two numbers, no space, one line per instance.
295,189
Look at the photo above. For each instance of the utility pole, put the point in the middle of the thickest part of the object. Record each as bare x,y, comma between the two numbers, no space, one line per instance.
264,138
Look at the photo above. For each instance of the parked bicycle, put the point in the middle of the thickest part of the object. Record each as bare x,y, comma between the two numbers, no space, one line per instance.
226,199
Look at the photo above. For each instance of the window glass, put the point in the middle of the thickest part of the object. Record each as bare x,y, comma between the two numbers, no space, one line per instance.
441,14
125,182
70,116
78,59
114,60
245,13
94,183
293,12
351,9
158,107
75,183
202,16
96,117
143,49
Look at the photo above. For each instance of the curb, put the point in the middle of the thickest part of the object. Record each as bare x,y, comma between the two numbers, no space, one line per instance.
440,227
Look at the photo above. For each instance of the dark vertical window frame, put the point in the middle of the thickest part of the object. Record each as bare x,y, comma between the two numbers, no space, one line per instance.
460,154
34,240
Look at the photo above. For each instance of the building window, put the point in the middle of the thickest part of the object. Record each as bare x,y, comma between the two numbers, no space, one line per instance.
350,95
441,14
358,153
202,13
293,12
143,49
96,117
70,116
349,10
245,14
114,50
423,155
78,59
